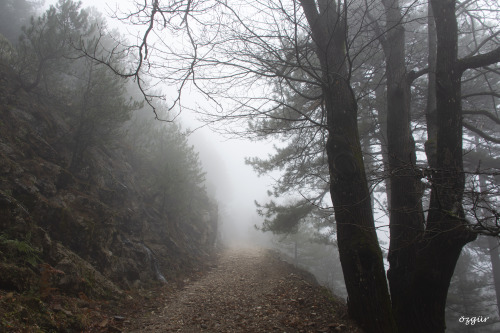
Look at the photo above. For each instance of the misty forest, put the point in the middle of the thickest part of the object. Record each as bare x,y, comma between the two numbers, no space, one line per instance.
249,166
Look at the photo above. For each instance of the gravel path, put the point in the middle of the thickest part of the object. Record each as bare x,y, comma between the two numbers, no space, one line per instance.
248,291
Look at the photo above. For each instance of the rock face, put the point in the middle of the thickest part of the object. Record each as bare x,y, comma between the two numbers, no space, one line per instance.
96,228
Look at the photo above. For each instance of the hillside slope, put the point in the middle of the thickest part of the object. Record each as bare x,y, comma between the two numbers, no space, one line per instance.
91,233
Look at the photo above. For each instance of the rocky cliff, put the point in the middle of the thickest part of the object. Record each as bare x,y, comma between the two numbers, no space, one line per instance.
94,231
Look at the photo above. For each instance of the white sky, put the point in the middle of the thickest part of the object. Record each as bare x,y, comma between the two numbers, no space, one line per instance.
101,5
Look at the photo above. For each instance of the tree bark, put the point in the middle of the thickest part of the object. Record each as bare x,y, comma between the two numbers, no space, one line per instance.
494,253
446,229
360,254
495,267
430,112
406,214
380,99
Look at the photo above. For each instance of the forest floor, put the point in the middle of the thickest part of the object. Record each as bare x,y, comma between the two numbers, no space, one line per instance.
241,290
245,290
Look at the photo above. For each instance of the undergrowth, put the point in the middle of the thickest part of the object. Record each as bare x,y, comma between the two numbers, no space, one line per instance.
20,251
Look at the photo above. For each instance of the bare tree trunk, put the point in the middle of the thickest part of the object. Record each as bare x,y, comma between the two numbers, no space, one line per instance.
406,214
495,267
360,255
494,253
380,98
461,274
446,230
430,112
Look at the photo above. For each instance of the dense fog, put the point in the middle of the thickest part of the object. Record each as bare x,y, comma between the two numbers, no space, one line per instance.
363,132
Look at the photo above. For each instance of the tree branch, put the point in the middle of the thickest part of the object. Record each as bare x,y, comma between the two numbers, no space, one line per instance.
480,60
482,113
482,134
483,93
413,75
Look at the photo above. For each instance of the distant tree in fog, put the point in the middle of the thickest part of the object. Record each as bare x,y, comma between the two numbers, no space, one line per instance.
170,169
314,252
100,108
48,40
14,14
48,62
470,292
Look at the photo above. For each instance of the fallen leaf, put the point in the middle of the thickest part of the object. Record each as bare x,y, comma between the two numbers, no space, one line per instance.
104,322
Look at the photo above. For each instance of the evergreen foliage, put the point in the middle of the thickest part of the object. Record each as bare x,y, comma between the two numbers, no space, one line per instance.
19,250
47,44
170,167
14,14
101,111
470,293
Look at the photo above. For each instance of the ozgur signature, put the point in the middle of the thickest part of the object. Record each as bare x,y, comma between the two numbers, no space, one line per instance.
473,320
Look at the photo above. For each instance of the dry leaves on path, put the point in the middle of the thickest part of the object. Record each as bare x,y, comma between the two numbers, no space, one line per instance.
248,290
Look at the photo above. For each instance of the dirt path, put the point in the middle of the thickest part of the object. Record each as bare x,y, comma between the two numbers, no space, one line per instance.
247,291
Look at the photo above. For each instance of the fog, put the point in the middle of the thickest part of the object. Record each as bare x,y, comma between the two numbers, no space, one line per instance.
233,183
235,186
